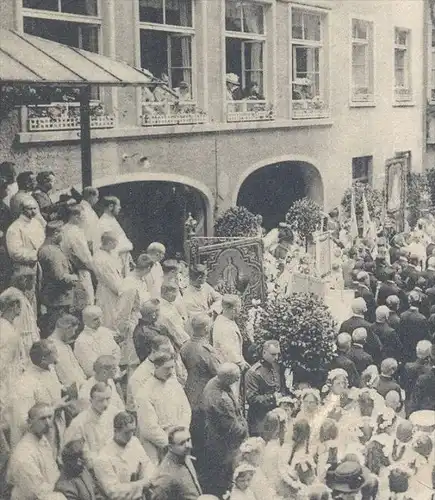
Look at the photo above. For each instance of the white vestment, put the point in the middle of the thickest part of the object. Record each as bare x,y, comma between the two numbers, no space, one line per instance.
124,247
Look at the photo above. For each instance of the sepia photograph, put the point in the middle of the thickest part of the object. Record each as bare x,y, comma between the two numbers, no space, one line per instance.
217,249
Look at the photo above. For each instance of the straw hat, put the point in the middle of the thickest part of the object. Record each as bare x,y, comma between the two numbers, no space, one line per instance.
232,78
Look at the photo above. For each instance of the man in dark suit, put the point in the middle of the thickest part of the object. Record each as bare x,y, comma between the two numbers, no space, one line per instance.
341,360
388,287
393,304
410,274
413,326
423,397
357,353
429,274
369,268
363,290
373,344
387,382
391,345
412,371
75,481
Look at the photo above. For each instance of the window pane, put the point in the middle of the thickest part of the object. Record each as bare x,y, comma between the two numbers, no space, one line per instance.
233,12
178,12
82,7
74,34
400,77
181,52
154,52
359,29
151,11
41,4
312,24
253,18
359,55
254,78
401,37
360,168
234,56
297,28
306,78
182,75
254,56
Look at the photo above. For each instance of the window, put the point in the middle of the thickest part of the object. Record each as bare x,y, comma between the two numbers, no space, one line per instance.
69,22
308,74
245,40
362,167
167,40
402,77
362,61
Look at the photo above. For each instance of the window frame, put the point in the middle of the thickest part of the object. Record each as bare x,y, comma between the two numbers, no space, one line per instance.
324,56
408,96
366,179
367,99
62,16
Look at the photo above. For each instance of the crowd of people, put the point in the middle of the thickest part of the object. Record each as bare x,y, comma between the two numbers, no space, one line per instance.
130,379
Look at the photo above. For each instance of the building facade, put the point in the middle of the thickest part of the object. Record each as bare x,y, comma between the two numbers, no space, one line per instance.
329,91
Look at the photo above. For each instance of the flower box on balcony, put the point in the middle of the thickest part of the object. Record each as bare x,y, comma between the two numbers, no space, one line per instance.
402,94
171,113
65,116
362,95
307,109
249,111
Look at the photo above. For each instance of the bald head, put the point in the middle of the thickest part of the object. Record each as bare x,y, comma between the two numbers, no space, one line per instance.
393,302
344,342
359,336
359,306
423,349
90,313
405,431
389,367
201,324
382,313
228,374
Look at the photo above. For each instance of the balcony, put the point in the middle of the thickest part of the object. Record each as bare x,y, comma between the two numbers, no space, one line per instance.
402,94
249,111
309,108
362,95
64,116
171,113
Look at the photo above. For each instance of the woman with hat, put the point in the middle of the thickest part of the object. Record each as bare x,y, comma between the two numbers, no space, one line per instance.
349,479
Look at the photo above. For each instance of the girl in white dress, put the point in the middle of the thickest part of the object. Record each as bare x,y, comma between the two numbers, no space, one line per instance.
242,479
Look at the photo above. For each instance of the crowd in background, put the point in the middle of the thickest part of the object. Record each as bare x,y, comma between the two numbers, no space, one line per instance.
126,378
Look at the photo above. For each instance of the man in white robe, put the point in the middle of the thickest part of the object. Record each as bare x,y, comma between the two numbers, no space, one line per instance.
94,341
123,469
10,366
110,280
108,222
94,425
33,471
155,278
105,370
39,384
90,220
68,369
199,296
161,403
25,236
170,316
75,247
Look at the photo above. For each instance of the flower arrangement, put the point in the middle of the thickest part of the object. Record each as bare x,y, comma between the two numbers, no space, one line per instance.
237,222
304,217
305,330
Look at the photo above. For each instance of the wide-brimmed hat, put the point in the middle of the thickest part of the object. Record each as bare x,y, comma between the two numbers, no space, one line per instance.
347,477
423,420
232,78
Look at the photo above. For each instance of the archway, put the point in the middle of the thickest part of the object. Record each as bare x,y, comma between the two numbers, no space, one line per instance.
155,210
271,189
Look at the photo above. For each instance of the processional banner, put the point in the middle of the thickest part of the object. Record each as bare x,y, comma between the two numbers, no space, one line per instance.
234,264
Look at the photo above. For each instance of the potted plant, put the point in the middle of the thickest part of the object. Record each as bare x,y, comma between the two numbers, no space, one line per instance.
236,222
305,217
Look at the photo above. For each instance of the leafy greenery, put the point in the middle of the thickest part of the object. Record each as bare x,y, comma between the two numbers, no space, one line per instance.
374,197
304,217
305,329
418,193
236,222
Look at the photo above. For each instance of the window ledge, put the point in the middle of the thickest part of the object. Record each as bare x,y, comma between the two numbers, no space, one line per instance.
132,132
362,104
403,104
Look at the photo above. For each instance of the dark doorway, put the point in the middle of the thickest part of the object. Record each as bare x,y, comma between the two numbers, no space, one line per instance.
156,211
271,190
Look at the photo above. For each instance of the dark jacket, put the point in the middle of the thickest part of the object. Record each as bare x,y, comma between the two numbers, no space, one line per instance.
394,320
413,328
373,344
201,361
342,361
423,397
360,358
429,276
176,480
353,323
385,290
410,374
387,384
76,488
262,382
364,292
142,336
391,345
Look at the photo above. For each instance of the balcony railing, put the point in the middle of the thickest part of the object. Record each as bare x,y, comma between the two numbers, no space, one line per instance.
402,94
362,94
249,111
309,108
171,113
65,116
